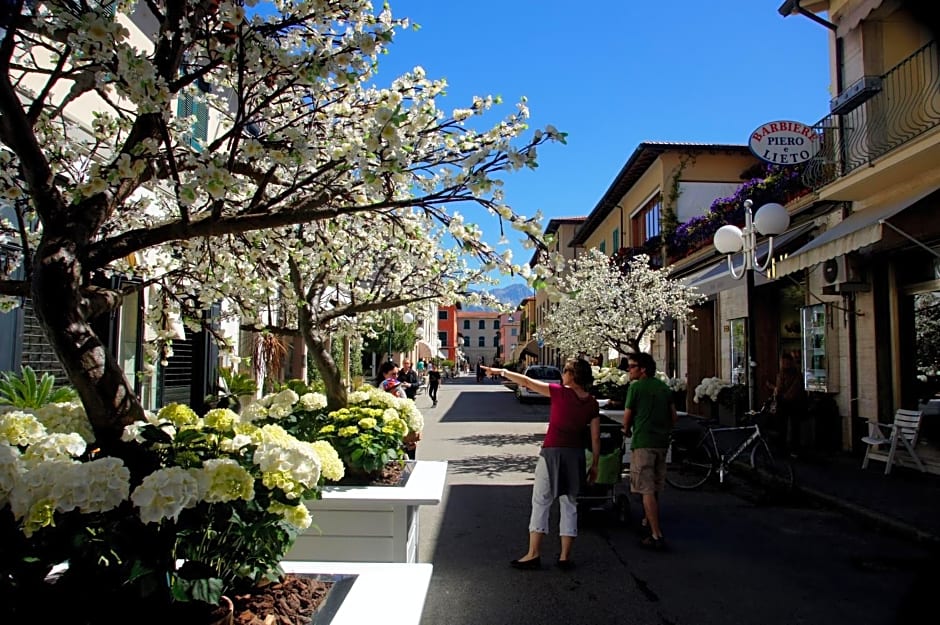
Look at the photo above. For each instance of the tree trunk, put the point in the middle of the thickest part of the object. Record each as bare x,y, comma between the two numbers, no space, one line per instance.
108,398
318,346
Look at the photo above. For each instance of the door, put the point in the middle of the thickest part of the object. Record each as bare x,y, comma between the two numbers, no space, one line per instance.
702,360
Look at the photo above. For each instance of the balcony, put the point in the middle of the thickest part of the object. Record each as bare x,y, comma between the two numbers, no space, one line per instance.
652,248
906,107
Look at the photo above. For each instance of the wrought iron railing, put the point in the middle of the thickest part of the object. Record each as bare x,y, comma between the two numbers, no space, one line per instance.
907,106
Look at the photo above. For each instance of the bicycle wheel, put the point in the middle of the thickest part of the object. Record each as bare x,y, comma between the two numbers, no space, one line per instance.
774,473
690,466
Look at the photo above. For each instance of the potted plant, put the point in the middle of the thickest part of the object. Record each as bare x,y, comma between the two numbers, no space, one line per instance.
611,383
203,507
706,394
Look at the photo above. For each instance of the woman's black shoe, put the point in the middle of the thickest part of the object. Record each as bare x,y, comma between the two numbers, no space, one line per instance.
527,565
565,565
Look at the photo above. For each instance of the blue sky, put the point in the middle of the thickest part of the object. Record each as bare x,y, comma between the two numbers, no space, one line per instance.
614,73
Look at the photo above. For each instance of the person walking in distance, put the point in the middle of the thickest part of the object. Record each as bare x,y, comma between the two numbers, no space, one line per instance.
649,416
561,463
434,381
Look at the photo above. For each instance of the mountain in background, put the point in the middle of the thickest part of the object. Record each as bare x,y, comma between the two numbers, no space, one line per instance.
512,295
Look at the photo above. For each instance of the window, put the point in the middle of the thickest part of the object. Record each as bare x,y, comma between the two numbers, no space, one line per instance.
603,247
186,106
466,324
466,341
646,223
616,244
442,337
513,331
496,341
481,341
482,324
738,350
442,314
496,324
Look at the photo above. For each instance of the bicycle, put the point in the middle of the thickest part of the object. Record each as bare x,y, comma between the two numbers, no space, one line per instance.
694,462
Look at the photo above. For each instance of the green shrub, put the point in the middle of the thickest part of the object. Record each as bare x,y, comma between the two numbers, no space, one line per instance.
26,391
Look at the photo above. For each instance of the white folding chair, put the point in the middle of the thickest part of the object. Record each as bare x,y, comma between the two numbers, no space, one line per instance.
904,430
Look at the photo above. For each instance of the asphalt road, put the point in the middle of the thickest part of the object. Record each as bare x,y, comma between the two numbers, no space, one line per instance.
732,559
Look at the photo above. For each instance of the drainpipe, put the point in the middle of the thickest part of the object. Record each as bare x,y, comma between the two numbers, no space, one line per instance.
853,367
791,7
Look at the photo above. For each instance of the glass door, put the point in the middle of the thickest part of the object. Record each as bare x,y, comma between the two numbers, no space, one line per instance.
815,345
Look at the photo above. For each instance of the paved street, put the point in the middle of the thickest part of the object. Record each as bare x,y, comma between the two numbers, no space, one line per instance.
731,560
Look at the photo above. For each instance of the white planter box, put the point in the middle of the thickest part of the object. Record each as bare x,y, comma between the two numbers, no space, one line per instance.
390,594
370,523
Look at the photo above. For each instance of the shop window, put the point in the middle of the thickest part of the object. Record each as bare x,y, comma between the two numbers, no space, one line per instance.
738,350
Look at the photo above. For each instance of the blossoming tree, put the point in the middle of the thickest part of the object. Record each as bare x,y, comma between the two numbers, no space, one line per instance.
601,305
303,137
333,279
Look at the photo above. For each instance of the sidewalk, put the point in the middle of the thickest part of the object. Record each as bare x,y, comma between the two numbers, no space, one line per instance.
906,502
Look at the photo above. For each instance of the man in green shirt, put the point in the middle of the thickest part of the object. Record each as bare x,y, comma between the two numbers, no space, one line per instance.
649,416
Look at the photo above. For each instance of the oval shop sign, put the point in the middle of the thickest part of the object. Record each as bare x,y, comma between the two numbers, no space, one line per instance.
784,143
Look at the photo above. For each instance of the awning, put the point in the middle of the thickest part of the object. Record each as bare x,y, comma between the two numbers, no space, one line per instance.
856,231
424,350
716,278
531,348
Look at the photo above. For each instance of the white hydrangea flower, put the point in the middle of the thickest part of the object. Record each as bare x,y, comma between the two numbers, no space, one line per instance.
20,429
254,411
109,483
165,493
55,446
331,466
10,470
223,479
313,401
37,484
66,417
298,516
710,388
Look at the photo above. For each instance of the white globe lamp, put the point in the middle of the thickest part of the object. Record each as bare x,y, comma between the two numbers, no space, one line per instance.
772,219
729,239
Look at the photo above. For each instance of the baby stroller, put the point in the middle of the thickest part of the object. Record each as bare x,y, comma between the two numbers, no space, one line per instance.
609,492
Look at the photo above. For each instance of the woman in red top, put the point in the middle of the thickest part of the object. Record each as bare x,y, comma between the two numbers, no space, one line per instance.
561,464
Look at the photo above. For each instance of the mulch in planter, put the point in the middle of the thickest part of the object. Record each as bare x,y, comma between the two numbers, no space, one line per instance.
292,601
393,474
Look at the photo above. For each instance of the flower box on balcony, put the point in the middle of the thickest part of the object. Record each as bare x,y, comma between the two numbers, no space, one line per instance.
371,523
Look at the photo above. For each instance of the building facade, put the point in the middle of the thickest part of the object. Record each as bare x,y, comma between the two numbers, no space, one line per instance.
662,185
480,332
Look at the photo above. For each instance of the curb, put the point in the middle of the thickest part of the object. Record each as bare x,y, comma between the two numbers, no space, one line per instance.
887,522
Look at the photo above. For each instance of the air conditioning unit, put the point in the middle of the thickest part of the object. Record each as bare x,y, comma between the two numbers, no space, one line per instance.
855,94
843,273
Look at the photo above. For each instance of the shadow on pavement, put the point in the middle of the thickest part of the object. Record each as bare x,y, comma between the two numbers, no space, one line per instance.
491,466
501,440
481,529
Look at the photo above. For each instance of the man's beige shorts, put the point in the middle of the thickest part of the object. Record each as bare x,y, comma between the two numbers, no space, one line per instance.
647,470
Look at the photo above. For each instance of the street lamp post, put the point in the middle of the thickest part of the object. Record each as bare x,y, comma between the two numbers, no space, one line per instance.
407,317
771,219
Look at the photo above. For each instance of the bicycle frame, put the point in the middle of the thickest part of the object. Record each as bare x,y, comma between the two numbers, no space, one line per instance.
723,462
